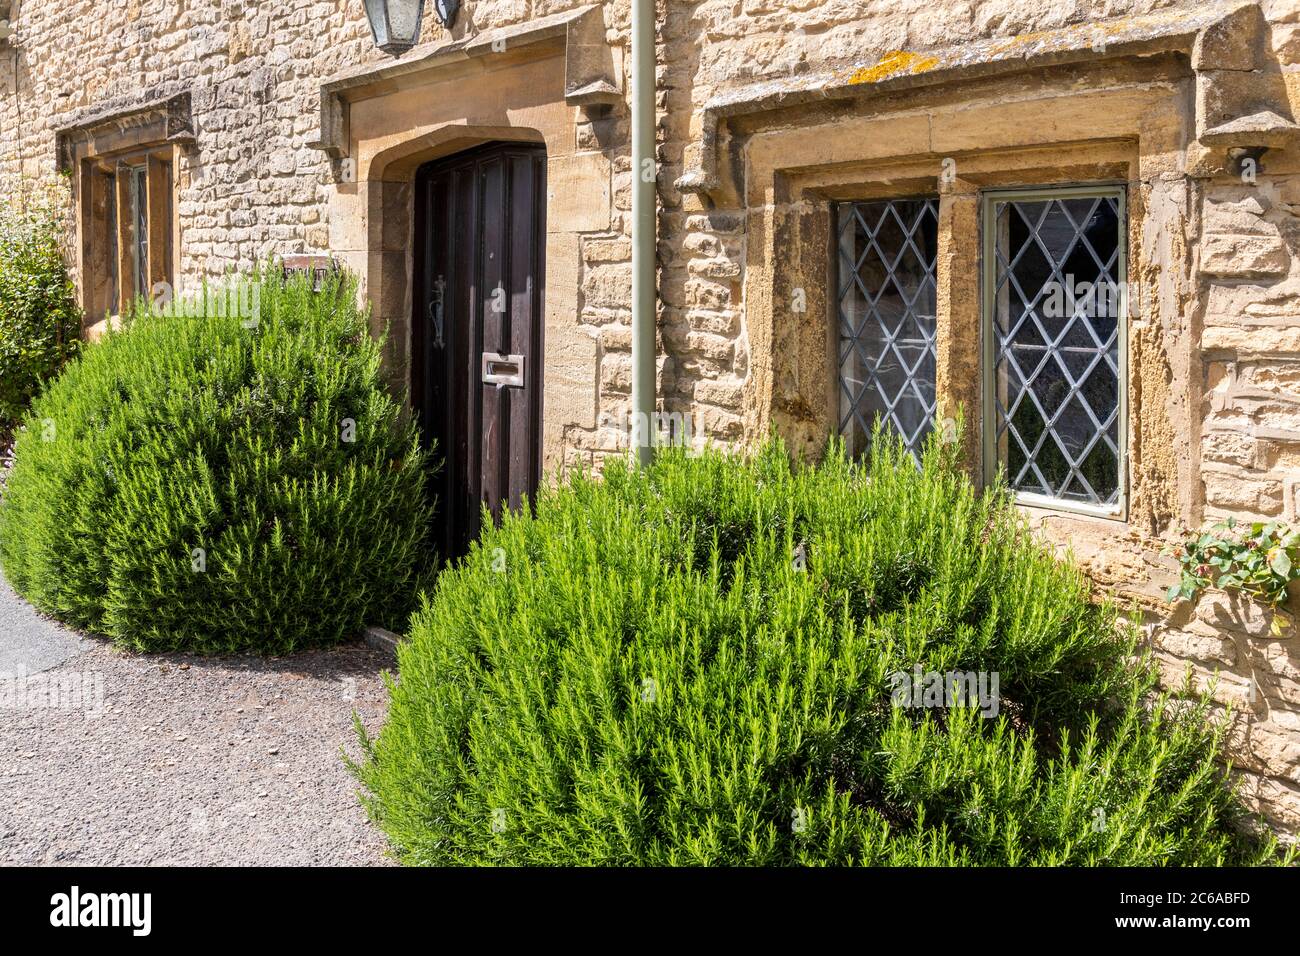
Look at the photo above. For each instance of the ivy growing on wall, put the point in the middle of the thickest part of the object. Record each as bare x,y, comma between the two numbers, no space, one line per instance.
1258,559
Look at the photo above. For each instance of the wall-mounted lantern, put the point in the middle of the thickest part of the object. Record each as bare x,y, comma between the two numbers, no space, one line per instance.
396,23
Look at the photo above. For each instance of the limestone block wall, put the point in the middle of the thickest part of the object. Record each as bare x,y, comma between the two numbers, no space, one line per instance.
1221,434
252,186
1249,448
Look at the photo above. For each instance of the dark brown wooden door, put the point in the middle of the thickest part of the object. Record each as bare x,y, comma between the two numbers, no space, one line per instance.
477,360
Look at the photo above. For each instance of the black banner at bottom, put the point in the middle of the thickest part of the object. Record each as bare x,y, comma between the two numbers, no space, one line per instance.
266,906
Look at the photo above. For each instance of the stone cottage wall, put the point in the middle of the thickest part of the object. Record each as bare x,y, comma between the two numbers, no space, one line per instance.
1249,466
253,187
1239,242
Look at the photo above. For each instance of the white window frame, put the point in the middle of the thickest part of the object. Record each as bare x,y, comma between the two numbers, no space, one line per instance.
988,316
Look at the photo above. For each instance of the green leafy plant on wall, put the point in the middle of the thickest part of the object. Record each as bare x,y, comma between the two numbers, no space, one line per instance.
1259,559
39,317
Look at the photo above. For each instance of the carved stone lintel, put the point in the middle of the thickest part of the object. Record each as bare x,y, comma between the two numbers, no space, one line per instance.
147,121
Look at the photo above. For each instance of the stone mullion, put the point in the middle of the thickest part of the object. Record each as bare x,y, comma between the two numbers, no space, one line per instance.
125,240
958,325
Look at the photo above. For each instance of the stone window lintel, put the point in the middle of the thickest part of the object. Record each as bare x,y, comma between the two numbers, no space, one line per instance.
1210,39
148,122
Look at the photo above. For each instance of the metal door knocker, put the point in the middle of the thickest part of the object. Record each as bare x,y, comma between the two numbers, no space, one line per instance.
435,311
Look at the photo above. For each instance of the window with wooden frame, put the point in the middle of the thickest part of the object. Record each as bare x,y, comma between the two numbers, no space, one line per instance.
127,228
1054,316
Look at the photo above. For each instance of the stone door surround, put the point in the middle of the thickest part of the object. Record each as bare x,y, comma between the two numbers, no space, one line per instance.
529,83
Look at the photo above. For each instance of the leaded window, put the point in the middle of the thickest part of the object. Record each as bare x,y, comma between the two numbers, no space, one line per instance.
1054,288
886,305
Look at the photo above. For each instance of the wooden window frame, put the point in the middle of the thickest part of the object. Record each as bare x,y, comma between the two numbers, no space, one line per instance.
120,193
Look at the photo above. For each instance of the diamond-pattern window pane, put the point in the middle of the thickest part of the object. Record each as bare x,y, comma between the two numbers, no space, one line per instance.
886,299
1057,275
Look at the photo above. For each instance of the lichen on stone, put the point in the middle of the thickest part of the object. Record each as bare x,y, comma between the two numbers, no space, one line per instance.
892,64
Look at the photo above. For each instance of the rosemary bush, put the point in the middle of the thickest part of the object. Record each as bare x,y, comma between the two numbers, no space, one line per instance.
215,483
705,662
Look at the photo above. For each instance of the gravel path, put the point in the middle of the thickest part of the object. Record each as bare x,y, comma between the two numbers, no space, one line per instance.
29,642
175,759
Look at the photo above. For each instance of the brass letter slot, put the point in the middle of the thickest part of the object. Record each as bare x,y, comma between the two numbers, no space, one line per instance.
503,370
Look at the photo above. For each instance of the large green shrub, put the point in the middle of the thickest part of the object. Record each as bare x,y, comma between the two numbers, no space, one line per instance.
39,317
695,664
239,479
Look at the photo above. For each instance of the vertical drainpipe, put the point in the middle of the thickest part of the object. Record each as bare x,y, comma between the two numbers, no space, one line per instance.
644,223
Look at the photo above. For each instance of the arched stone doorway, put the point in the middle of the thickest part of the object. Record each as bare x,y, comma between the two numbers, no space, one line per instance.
529,89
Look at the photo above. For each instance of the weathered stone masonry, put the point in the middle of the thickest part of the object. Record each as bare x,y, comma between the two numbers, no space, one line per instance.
303,138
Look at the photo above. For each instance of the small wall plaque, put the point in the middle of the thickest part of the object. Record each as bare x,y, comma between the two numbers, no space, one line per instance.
318,268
